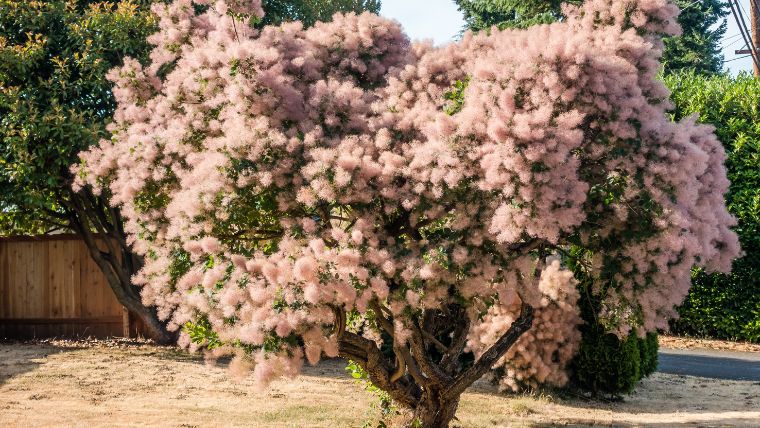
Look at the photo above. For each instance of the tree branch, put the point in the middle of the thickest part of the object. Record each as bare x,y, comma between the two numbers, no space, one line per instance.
340,320
114,267
489,358
437,343
458,342
434,373
55,214
366,353
411,365
385,324
400,368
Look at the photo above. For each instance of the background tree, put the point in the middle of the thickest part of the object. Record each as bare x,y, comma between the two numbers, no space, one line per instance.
698,48
311,11
484,14
55,101
280,183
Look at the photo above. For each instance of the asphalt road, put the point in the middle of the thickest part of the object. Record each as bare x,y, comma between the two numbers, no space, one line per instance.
710,364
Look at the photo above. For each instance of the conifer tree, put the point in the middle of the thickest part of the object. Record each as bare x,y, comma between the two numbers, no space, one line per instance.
697,48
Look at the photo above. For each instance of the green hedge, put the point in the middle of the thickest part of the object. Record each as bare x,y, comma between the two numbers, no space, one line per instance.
727,306
606,365
648,348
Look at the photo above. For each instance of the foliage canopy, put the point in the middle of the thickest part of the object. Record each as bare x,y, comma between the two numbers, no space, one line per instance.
310,12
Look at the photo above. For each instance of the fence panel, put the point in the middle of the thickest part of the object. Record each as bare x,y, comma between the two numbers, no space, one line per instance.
50,286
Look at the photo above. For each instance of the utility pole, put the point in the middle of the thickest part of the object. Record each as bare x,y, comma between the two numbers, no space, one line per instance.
754,7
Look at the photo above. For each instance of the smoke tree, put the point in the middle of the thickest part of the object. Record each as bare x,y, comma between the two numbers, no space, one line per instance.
697,48
339,191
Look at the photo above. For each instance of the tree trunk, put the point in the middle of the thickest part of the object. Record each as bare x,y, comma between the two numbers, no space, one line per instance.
156,330
95,222
435,411
429,386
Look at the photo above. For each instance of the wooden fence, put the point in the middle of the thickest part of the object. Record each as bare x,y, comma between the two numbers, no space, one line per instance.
50,286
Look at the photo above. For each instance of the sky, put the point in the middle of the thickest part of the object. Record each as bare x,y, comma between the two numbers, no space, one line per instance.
440,21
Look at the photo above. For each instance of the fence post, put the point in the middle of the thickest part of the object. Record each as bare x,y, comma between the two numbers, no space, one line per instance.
125,322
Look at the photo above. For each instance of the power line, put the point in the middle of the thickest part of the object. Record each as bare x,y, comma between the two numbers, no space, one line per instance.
738,58
731,44
725,39
739,15
736,10
741,6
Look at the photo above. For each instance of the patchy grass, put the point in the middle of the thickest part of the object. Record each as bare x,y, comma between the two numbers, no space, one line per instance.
133,385
521,407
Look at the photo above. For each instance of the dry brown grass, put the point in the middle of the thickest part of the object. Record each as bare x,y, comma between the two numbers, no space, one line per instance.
679,342
59,384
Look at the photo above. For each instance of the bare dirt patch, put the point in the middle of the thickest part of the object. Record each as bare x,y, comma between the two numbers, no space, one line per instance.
129,385
678,342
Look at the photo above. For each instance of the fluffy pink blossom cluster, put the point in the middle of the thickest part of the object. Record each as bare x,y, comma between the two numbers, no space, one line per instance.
272,176
541,356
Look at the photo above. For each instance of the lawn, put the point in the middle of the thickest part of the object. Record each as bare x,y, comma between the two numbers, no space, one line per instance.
117,384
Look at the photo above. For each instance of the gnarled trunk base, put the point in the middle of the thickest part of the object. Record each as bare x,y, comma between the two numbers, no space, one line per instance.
429,386
435,411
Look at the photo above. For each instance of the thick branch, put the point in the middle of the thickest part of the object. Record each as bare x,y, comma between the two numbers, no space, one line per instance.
55,225
340,320
55,214
411,365
366,353
400,368
434,373
384,323
526,247
458,342
437,343
489,358
115,274
96,210
83,214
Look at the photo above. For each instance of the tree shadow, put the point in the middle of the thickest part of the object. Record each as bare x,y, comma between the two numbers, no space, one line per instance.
666,399
18,358
662,394
695,421
663,399
326,368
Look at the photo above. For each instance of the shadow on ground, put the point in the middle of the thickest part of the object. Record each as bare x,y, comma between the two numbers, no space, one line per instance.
661,400
17,358
102,378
